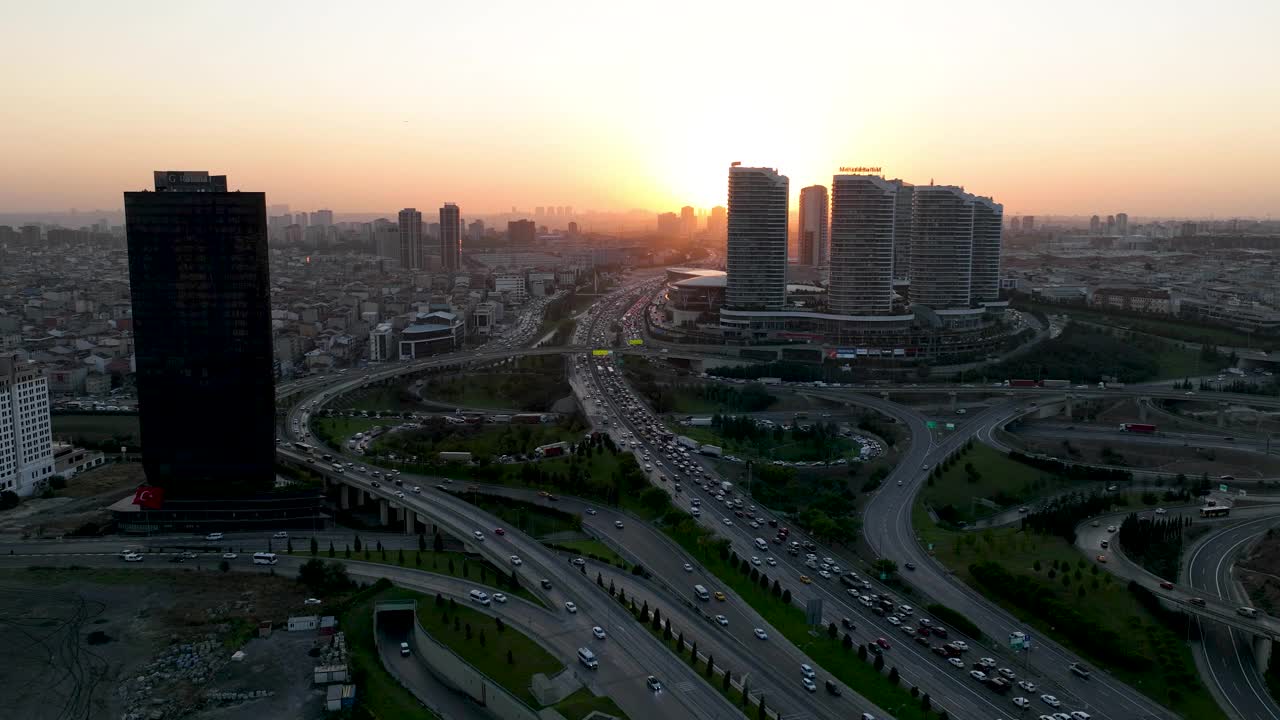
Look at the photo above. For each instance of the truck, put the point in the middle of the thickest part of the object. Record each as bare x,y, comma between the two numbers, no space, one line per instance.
698,422
499,419
1144,428
726,487
461,457
770,381
687,442
1022,383
711,450
1055,383
528,418
552,450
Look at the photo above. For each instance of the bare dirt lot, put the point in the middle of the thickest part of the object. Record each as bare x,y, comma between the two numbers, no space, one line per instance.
83,501
1259,572
149,644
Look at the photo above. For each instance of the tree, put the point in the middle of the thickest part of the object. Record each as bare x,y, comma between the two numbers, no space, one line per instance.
599,580
657,618
510,660
315,547
847,642
331,550
500,625
289,546
879,663
224,566
885,566
893,675
400,556
746,698
726,679
356,544
693,652
711,664
862,653
777,588
380,546
348,552
437,542
925,703
786,596
9,499
422,542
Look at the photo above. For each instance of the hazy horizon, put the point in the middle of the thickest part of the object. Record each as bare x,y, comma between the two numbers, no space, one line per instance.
1154,109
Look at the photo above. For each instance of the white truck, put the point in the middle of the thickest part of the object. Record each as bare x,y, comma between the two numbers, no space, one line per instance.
711,450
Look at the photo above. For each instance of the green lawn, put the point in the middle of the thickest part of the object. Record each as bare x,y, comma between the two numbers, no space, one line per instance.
381,398
1106,602
487,440
593,548
533,521
999,479
790,621
378,693
1176,362
453,564
582,703
534,384
341,429
487,648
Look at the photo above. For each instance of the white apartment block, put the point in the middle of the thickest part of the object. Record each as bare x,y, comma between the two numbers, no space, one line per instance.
513,284
26,436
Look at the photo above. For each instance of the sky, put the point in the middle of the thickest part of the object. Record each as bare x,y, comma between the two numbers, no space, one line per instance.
1165,108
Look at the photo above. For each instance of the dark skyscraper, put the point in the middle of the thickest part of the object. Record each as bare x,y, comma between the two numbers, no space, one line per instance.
202,326
450,237
521,232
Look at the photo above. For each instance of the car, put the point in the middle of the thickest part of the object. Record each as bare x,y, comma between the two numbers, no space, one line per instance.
806,579
441,487
311,601
722,620
417,488
771,562
598,632
133,557
652,683
229,556
761,634
578,562
1027,685
545,583
188,555
894,620
986,662
281,535
499,597
956,663
499,531
809,684
1161,511
806,670
910,566
571,607
590,511
1007,673
1080,670
1022,702
1051,701
404,649
1165,584
1080,715
883,643
400,494
688,567
961,645
213,536
515,560
1111,528
617,524
824,574
727,522
1198,602
978,675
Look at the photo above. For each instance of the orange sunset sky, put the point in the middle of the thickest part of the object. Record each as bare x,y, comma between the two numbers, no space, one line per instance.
1154,108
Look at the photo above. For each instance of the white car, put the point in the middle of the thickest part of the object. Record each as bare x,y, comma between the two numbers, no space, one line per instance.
771,562
809,685
824,574
807,671
987,662
961,645
978,675
617,524
1161,511
479,536
400,494
956,662
1007,673
229,556
571,607
760,633
282,535
1022,702
1080,715
590,511
755,560
133,557
688,567
515,560
417,488
598,632
213,536
1027,685
894,620
499,597
311,601
722,620
728,522
1051,701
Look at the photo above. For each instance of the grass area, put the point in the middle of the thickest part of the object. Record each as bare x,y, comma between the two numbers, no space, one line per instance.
340,429
379,694
1154,326
452,564
532,384
532,520
393,398
594,549
505,655
1106,602
995,478
582,703
481,439
829,653
1176,362
98,428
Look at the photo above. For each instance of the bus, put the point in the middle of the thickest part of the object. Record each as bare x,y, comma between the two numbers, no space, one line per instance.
303,447
264,558
1212,511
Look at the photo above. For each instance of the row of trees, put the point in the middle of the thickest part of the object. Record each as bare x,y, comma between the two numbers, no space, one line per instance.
1155,544
1071,471
1061,515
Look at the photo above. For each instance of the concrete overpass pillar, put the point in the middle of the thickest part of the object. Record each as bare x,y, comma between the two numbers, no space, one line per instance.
1070,407
345,496
383,514
1142,408
1261,652
952,396
1222,414
408,521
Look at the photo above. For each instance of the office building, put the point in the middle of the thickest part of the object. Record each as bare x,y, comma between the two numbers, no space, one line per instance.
1029,223
475,231
521,232
902,221
382,343
941,247
202,329
688,222
717,223
813,226
1122,224
450,237
411,240
988,224
863,208
322,218
668,224
1095,225
26,439
757,244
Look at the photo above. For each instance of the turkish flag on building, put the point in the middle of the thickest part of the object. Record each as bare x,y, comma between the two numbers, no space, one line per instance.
149,497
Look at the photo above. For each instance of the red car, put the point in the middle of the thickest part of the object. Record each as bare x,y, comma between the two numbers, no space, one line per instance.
499,531
882,643
1166,584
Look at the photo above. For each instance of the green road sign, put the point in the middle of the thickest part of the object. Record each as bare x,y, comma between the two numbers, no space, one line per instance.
951,426
931,424
1222,488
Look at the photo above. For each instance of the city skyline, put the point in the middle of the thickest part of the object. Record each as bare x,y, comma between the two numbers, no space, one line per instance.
1073,116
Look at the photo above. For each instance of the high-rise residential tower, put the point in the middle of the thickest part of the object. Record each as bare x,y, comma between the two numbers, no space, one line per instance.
902,218
717,223
988,228
450,237
202,330
1095,225
757,244
521,232
26,440
411,239
688,222
863,210
941,247
813,226
1122,224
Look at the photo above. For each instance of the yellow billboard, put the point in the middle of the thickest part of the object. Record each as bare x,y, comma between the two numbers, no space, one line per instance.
637,341
599,353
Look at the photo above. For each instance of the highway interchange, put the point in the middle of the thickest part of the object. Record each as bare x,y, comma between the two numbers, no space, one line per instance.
631,653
